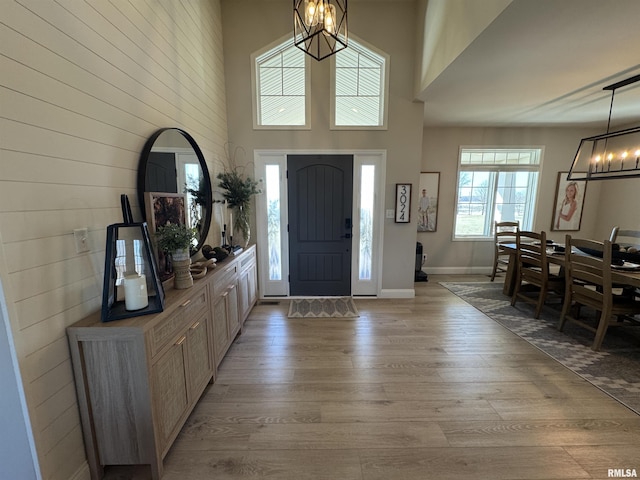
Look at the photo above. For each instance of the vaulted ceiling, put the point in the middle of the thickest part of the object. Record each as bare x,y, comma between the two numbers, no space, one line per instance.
537,62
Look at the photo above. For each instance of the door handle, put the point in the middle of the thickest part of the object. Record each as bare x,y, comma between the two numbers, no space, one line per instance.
347,226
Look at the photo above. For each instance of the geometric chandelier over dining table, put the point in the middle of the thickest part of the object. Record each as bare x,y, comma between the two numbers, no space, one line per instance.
320,26
611,154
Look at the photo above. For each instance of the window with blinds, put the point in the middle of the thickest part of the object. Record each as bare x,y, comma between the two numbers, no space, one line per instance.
359,87
281,87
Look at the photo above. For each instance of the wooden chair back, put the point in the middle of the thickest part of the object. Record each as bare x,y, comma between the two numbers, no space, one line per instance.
588,277
533,269
589,283
504,232
625,237
532,255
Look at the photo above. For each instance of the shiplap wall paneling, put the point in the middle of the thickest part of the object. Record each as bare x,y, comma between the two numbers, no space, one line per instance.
83,85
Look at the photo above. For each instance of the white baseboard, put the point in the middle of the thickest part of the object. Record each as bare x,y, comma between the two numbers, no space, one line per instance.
397,293
459,270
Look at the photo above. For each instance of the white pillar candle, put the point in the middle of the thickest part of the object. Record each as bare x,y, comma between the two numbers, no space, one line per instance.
135,292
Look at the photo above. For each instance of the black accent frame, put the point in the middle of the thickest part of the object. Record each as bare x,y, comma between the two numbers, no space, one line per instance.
142,176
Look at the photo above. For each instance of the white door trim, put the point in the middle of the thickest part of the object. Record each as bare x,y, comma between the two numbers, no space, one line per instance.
280,288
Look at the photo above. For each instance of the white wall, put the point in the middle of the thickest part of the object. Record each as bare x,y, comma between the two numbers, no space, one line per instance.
440,154
619,202
388,26
441,43
83,85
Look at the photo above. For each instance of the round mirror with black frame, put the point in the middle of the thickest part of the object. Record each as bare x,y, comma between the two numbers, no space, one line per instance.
174,183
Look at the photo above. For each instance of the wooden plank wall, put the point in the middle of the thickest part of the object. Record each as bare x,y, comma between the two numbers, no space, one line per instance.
84,83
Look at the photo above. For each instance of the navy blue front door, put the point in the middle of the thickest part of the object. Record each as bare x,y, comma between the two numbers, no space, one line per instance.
320,207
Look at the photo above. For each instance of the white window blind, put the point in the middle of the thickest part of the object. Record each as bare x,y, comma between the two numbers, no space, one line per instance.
281,86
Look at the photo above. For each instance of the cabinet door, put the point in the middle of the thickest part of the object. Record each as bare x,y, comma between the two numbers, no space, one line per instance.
170,390
243,295
220,327
247,291
232,312
252,282
200,356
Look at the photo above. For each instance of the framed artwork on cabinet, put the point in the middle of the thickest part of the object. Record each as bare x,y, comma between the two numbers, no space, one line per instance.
403,202
163,208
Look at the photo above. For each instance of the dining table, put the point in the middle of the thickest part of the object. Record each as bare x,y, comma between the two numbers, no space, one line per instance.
556,256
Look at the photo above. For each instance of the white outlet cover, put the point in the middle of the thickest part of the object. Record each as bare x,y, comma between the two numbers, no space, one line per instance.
81,238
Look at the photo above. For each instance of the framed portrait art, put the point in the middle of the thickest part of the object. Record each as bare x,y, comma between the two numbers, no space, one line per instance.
568,203
428,201
403,202
163,208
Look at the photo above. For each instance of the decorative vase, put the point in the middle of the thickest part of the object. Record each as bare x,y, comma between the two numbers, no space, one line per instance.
242,223
182,269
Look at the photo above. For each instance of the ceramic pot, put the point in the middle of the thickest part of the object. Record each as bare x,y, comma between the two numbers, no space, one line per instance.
182,269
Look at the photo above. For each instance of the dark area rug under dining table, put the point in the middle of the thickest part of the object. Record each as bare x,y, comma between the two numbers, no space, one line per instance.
615,369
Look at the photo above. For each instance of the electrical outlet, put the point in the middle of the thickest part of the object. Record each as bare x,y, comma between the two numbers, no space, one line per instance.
81,237
390,213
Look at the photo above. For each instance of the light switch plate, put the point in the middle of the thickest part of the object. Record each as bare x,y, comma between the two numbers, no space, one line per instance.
81,237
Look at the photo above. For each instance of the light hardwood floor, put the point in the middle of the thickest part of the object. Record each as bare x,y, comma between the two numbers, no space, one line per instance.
416,389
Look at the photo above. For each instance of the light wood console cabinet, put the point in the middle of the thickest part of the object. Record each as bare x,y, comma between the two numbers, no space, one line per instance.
226,323
247,285
138,379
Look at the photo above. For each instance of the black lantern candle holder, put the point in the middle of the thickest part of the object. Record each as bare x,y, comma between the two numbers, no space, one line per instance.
132,286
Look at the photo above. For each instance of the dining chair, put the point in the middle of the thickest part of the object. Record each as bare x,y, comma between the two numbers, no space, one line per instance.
589,283
504,232
533,279
631,237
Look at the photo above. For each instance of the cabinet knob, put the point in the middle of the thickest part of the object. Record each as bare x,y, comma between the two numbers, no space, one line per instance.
185,303
181,340
195,325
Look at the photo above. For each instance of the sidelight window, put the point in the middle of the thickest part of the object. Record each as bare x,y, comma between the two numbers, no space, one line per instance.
367,184
274,226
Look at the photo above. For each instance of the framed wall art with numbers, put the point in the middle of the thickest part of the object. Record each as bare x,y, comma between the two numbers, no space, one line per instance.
403,202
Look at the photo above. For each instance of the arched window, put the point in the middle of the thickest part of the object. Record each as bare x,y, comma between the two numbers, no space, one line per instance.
359,86
281,87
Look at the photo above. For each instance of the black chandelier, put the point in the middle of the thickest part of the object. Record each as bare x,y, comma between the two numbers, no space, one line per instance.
611,154
320,26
